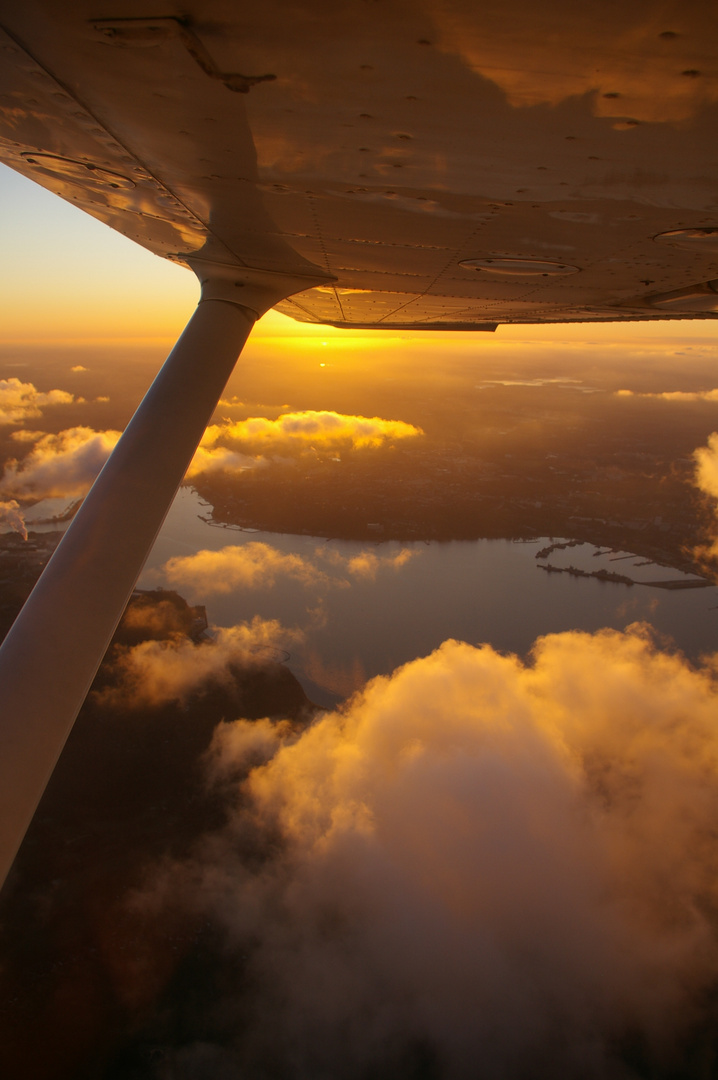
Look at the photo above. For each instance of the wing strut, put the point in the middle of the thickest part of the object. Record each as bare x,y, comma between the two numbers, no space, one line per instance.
50,656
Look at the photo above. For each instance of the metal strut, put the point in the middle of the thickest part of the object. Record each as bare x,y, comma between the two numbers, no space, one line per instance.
50,656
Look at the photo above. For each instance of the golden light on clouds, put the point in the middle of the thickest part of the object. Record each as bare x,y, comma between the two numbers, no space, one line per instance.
233,446
254,565
366,564
63,465
258,565
673,395
212,458
156,672
706,480
545,829
322,430
21,401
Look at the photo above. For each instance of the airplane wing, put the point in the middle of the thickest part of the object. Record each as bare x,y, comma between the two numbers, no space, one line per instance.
440,163
435,164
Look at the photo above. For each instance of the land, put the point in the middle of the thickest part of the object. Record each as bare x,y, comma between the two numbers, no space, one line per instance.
100,976
632,500
110,981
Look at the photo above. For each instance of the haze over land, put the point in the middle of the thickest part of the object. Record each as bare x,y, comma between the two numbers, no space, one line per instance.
568,438
477,803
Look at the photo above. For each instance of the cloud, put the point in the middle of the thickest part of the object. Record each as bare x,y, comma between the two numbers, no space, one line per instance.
210,458
10,515
63,465
157,672
326,428
78,367
255,565
366,564
25,435
673,395
20,401
706,480
480,867
706,458
67,463
293,433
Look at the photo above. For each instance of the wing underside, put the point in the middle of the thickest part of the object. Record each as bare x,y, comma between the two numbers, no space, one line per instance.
440,167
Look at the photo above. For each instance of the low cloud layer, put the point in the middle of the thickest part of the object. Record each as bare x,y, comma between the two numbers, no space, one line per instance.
366,564
237,445
314,428
481,867
673,395
66,464
157,672
58,466
249,566
257,565
21,401
706,480
210,458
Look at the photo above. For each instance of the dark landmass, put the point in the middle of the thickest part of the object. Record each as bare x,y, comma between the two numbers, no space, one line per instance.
633,502
498,461
116,988
89,985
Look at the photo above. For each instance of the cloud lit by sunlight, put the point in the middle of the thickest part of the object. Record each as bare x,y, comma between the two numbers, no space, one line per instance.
480,864
211,458
20,401
66,464
157,672
236,446
323,430
63,465
254,565
257,565
366,564
673,395
706,480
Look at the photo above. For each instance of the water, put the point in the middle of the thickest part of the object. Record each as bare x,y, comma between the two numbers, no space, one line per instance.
491,591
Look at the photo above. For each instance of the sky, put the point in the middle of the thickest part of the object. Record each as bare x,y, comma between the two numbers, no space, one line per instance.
479,858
